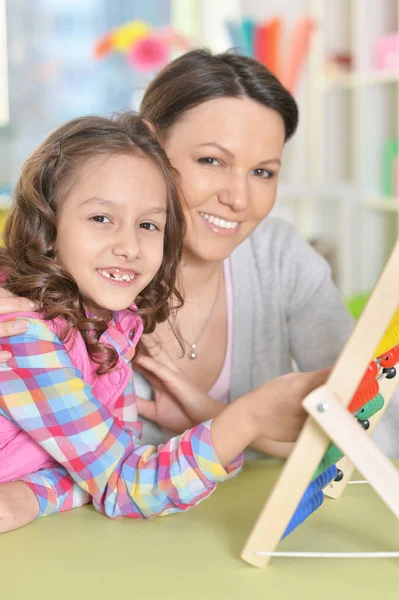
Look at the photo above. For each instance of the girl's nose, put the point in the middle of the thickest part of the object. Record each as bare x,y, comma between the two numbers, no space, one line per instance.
127,245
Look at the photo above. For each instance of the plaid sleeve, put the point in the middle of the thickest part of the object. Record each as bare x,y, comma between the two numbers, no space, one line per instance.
46,396
56,491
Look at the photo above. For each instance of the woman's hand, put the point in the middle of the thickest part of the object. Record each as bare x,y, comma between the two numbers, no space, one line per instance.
18,505
178,403
12,304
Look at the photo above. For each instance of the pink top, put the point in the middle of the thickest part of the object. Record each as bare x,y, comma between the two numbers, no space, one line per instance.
221,388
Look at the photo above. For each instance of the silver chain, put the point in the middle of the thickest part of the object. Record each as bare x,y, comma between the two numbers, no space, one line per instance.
193,347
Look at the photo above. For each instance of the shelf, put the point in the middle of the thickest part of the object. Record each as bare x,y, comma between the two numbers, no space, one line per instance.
381,204
354,80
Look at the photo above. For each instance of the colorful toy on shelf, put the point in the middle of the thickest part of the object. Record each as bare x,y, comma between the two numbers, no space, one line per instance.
357,392
146,49
264,42
386,52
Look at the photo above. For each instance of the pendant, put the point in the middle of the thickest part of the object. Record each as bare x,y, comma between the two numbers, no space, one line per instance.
193,353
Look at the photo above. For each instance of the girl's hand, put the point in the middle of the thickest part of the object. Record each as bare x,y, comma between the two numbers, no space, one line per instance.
273,410
276,406
18,505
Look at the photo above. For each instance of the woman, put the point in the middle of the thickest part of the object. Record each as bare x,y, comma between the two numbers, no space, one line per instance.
256,294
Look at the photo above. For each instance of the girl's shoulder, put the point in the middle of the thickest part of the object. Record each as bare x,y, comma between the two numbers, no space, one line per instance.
49,331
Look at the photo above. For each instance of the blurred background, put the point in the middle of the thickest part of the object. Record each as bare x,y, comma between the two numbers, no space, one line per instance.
340,182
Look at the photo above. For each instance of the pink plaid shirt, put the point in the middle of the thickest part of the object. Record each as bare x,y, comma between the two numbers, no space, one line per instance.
87,427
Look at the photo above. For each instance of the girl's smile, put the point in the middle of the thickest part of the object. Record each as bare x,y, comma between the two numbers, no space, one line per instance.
117,276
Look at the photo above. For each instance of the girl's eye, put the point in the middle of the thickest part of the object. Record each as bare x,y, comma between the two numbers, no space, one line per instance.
208,160
148,226
100,219
262,173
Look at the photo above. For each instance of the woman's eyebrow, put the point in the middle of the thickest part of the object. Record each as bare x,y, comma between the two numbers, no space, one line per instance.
270,160
219,147
231,154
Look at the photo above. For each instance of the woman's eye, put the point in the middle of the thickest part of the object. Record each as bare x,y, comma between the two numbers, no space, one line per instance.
149,226
208,160
100,219
262,173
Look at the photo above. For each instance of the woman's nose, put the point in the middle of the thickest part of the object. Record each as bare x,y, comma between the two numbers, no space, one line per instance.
236,194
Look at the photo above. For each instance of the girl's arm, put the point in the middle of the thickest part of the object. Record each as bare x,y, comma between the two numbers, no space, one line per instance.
55,491
20,504
46,396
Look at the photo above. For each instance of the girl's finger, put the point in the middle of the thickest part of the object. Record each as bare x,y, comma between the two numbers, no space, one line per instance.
5,356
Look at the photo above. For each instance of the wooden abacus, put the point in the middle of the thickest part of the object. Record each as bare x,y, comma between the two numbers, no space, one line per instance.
353,386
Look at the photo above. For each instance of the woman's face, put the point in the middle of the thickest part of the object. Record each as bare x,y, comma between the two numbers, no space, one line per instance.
228,154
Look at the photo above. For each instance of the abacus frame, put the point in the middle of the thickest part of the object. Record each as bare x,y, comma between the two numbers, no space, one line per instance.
329,420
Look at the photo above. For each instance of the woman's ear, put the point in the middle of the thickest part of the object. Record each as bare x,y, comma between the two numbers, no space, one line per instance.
152,128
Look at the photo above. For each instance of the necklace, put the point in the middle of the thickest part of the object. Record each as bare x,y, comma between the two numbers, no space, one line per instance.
193,346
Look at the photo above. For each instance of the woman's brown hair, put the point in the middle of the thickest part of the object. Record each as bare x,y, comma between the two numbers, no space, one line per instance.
27,260
199,76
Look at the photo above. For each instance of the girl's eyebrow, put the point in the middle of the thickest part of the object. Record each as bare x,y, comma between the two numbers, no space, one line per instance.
231,154
107,202
98,200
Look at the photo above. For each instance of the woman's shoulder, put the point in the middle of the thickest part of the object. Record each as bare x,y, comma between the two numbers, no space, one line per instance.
278,257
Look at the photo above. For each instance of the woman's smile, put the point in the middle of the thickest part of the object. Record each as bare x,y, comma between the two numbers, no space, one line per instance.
219,225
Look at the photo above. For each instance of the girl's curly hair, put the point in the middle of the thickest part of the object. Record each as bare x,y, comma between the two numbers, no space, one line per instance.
30,233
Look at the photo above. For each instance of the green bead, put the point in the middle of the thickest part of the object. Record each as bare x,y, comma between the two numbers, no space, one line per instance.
370,408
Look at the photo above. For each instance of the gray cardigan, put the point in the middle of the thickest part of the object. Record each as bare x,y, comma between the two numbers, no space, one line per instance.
286,308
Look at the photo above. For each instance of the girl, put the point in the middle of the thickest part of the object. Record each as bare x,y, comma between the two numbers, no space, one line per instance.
96,226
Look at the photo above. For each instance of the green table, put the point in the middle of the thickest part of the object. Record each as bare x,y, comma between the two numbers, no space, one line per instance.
195,555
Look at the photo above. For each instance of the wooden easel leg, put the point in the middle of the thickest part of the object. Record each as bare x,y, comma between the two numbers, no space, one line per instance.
287,493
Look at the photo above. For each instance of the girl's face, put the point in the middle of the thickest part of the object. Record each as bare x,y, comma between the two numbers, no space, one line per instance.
111,229
228,154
